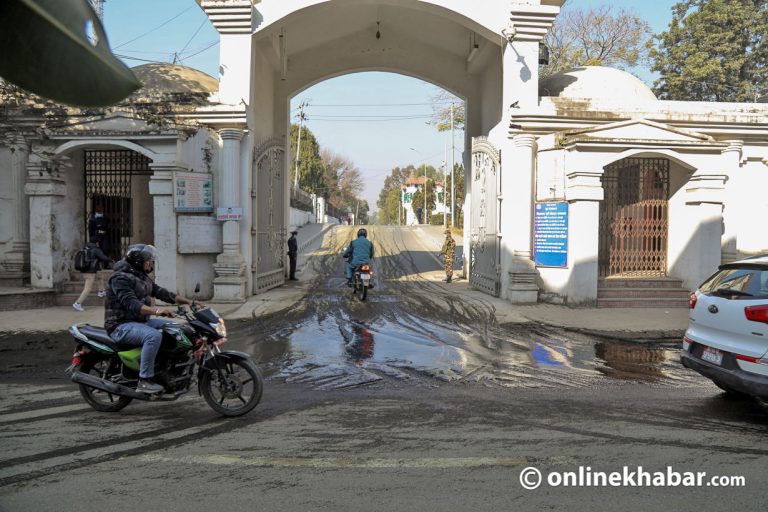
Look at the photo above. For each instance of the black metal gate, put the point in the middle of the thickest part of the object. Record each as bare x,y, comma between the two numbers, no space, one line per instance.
634,218
108,185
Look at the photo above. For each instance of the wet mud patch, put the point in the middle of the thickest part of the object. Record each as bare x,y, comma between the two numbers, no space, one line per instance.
412,331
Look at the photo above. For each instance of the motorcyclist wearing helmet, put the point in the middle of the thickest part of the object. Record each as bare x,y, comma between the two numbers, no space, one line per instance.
128,309
359,252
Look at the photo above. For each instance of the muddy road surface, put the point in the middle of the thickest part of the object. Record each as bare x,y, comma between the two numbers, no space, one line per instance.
416,399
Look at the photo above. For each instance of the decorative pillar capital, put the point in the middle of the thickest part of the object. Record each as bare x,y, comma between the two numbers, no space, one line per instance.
235,134
524,140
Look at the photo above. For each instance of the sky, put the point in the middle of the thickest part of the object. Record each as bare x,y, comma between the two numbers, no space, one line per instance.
376,120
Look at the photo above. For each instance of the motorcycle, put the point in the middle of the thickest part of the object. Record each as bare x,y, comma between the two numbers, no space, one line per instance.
108,372
361,281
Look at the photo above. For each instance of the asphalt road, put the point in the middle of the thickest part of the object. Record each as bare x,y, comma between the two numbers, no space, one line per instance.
416,399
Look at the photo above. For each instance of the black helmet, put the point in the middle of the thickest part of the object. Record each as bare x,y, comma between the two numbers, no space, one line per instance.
137,254
362,232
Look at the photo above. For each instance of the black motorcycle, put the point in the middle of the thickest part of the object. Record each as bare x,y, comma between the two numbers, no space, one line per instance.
108,372
362,281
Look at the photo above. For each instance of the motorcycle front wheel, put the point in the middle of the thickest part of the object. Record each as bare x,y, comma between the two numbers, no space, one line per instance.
234,389
96,398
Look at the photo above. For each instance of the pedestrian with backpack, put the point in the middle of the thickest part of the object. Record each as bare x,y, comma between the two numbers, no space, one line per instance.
89,261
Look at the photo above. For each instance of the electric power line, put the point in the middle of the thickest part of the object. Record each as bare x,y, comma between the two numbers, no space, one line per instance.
157,27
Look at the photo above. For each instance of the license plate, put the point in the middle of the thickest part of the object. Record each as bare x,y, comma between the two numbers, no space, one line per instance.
712,355
365,277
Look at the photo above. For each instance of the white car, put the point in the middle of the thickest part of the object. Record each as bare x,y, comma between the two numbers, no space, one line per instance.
727,336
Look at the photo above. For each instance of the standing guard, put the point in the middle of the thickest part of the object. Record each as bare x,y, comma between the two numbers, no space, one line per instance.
448,249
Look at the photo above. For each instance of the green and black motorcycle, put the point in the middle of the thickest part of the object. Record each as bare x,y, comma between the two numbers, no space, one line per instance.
108,372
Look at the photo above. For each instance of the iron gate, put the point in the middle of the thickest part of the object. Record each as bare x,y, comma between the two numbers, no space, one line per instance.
269,232
108,184
484,243
634,218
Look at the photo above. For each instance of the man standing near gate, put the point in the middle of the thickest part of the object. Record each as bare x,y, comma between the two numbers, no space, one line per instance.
448,249
293,252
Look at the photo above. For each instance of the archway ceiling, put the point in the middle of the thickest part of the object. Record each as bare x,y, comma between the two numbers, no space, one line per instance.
322,24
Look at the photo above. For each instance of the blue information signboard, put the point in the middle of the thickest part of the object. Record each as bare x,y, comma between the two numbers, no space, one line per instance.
550,234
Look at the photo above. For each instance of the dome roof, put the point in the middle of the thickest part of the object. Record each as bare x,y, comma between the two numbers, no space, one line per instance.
596,82
159,78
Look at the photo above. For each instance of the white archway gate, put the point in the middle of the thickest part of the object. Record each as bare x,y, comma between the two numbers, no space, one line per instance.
485,235
484,52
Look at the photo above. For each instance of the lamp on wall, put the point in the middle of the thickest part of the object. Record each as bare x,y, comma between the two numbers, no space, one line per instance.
378,32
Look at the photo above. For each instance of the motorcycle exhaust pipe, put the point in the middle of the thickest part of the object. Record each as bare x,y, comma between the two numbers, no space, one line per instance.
104,385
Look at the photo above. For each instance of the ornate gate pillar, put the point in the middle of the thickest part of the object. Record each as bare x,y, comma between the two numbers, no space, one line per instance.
15,266
518,273
732,162
230,282
45,187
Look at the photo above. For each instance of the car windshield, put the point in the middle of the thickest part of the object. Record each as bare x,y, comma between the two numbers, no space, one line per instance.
738,284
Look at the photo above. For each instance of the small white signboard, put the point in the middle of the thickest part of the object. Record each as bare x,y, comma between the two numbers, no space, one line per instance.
192,192
199,235
229,213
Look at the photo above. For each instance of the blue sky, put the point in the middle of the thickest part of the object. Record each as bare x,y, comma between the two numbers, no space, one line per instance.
161,30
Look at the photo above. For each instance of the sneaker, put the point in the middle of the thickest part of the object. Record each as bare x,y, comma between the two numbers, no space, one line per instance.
102,293
78,307
147,386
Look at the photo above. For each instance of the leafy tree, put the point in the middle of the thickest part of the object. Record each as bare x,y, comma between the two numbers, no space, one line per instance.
713,50
311,168
389,197
458,175
418,200
596,37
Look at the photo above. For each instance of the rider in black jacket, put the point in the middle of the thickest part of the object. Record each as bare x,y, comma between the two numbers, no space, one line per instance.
128,309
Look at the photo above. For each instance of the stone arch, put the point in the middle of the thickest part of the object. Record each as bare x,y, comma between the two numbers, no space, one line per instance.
73,145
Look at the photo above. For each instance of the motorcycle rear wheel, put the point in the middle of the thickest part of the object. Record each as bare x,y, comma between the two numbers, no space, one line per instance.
362,291
235,390
96,398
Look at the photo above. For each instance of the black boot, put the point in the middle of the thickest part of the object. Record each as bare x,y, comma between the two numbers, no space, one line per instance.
447,279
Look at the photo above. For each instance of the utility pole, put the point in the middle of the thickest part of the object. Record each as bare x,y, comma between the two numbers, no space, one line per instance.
445,186
357,211
302,118
453,186
425,194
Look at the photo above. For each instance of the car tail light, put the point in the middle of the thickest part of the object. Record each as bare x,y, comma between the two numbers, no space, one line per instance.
692,300
757,313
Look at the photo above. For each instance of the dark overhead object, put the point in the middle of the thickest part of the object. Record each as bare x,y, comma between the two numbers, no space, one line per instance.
58,49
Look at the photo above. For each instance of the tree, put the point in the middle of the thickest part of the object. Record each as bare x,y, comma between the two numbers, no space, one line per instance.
458,175
311,168
418,200
343,180
389,197
713,50
442,102
597,37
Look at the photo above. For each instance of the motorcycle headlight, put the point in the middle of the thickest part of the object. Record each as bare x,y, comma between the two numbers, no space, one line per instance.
220,328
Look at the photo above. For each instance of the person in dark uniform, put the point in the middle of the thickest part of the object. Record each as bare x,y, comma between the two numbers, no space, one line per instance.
293,252
97,229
